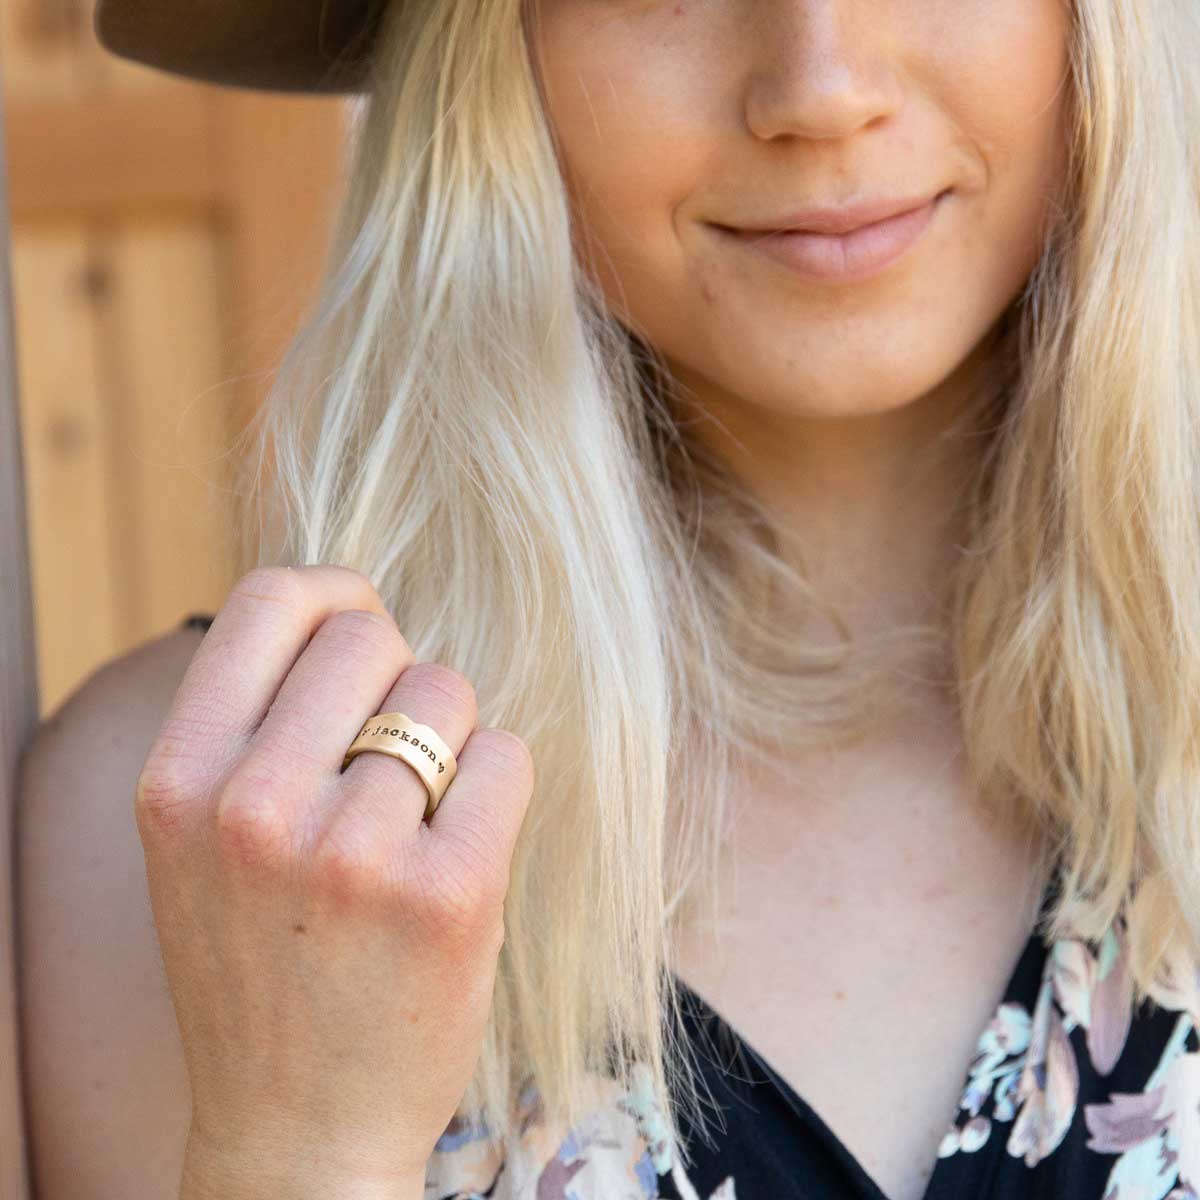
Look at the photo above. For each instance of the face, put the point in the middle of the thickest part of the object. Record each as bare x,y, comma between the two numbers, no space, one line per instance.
676,117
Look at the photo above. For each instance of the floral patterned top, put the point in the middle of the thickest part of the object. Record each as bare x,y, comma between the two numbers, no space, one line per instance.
1071,1094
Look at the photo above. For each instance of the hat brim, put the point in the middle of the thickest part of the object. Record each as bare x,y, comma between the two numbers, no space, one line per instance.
321,46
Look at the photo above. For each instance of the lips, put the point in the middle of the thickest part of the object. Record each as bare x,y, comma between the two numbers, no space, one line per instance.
837,220
863,252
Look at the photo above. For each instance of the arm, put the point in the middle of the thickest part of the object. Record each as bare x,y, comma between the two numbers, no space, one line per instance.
108,1101
106,1089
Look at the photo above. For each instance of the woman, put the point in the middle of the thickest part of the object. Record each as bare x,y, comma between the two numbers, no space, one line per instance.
780,417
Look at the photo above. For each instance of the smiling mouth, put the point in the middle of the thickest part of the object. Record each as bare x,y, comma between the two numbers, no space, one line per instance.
841,257
835,222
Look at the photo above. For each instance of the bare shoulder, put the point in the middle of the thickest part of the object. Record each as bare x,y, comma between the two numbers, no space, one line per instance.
106,1089
143,681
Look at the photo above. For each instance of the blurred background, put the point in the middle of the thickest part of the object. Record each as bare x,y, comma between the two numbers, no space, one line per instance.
165,236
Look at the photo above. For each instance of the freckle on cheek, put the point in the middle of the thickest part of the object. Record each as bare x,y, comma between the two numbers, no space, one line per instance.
679,10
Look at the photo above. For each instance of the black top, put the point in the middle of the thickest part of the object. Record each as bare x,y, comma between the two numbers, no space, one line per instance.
1071,1094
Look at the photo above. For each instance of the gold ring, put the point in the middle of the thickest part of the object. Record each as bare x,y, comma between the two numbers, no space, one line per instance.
411,742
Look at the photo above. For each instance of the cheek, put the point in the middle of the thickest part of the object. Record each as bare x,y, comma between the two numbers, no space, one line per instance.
626,126
1015,115
1005,84
642,120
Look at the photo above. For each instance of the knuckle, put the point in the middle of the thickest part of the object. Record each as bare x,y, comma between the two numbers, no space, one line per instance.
165,791
186,743
354,627
504,754
470,864
351,865
292,742
253,836
355,574
478,836
455,899
445,682
251,822
279,586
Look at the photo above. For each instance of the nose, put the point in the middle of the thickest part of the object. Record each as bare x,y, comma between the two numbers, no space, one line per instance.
827,69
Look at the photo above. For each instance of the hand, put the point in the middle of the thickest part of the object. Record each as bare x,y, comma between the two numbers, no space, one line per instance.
330,955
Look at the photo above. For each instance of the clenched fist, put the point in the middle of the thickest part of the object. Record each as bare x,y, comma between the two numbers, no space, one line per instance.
331,956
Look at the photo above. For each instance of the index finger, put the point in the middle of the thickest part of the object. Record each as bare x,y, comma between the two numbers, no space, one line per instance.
255,638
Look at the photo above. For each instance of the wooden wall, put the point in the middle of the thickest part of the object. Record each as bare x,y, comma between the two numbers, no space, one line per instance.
158,241
18,714
165,235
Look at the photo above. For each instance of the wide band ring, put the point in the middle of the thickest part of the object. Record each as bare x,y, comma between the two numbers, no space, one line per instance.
411,742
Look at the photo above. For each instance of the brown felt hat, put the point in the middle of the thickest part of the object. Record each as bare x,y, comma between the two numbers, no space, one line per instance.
279,45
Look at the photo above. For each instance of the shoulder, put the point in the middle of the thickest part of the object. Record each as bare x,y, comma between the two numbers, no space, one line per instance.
108,1071
103,1061
78,773
124,698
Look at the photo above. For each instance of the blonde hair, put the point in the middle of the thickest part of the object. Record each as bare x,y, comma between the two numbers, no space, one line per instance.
460,419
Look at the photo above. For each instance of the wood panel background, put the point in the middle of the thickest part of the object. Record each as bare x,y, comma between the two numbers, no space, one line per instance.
158,241
18,711
165,236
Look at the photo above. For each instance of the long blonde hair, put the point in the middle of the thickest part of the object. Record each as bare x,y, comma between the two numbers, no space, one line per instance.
460,418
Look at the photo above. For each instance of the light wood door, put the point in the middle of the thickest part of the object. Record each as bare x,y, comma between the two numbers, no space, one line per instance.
18,712
158,242
166,236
